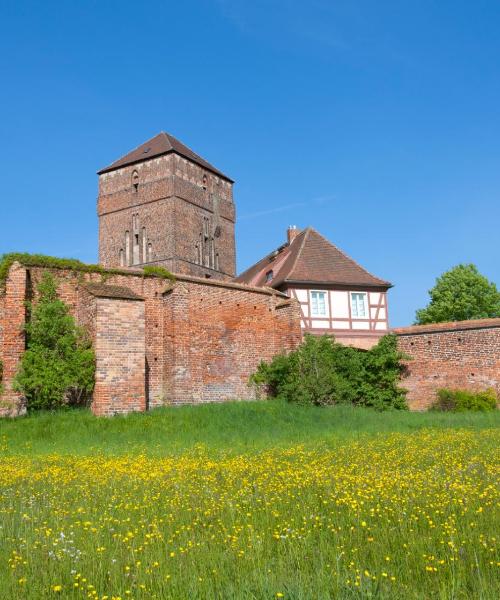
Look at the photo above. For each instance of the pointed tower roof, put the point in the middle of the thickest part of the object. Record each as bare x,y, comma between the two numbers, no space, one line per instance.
309,259
161,144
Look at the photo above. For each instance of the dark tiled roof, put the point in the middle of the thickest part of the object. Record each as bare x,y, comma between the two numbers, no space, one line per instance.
111,291
309,258
161,144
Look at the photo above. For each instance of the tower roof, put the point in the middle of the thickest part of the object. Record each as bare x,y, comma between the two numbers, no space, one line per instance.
309,258
161,144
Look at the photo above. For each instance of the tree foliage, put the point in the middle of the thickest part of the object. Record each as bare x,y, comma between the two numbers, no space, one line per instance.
323,372
461,294
58,366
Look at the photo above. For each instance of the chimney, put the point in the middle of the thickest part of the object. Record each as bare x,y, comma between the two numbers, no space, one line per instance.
292,233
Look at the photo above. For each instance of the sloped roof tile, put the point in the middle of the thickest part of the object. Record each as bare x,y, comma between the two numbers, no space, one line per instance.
161,144
309,258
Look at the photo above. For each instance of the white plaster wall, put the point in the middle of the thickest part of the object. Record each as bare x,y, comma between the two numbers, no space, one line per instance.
341,324
321,324
302,295
340,304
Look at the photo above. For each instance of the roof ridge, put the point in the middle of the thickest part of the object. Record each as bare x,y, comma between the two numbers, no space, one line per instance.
131,151
161,144
171,137
348,257
306,232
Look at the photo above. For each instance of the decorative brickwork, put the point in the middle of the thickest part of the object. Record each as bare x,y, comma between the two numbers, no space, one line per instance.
167,211
463,355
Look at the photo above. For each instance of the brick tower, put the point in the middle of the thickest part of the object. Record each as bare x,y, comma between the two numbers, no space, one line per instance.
164,205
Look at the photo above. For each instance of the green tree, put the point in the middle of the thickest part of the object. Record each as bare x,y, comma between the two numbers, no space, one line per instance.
461,294
58,366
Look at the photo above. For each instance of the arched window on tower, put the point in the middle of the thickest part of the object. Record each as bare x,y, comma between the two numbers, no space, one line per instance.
150,252
205,182
122,258
135,180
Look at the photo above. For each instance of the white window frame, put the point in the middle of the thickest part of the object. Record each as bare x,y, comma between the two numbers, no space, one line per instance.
353,305
318,314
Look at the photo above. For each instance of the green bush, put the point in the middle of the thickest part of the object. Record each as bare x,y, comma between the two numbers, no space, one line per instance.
58,366
323,372
465,400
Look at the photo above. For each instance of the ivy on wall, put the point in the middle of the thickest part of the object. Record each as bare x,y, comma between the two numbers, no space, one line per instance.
71,264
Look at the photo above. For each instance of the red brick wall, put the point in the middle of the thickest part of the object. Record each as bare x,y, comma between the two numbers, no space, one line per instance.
202,338
171,200
120,356
462,355
217,335
12,338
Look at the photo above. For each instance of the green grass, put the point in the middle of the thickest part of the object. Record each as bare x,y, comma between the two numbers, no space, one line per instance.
250,501
236,426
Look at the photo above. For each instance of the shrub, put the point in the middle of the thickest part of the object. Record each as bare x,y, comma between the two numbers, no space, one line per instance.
464,400
323,372
155,271
58,366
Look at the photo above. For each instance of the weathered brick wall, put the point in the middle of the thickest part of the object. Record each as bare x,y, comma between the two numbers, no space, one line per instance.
171,200
71,289
462,355
120,349
216,335
12,340
202,339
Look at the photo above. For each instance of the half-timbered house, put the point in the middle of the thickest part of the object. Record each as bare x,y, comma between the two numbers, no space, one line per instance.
336,295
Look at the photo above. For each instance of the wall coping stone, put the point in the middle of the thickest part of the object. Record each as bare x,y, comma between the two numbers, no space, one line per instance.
230,285
450,326
101,290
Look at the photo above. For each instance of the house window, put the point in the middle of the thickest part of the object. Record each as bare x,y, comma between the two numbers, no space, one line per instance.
269,276
358,305
318,304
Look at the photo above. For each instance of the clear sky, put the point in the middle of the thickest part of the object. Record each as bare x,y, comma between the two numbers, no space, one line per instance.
378,123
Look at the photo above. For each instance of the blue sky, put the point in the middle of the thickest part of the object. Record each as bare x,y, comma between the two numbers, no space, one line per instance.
378,123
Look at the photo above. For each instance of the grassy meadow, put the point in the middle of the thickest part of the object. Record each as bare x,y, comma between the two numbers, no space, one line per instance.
250,500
